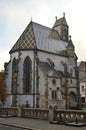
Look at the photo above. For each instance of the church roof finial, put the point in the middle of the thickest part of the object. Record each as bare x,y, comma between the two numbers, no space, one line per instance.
70,37
64,15
56,17
31,19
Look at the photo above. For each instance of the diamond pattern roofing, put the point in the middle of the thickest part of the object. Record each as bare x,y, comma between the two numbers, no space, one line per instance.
40,37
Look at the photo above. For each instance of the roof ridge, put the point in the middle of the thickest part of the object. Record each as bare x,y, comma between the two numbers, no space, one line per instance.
24,38
41,25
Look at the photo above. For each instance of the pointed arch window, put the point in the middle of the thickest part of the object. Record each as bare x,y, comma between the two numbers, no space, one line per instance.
27,75
14,65
54,94
14,81
65,34
14,75
71,72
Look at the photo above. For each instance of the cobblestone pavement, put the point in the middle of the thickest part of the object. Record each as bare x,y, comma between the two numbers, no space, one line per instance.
35,124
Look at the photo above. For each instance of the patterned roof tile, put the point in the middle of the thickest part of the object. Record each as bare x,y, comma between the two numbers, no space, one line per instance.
40,37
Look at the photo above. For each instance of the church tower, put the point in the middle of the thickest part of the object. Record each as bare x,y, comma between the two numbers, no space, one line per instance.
62,28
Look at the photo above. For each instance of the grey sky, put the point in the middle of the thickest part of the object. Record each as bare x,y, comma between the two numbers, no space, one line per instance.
15,15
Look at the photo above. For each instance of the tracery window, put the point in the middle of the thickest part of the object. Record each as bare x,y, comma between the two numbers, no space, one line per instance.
54,82
54,94
71,72
14,65
65,34
14,75
14,80
82,88
27,75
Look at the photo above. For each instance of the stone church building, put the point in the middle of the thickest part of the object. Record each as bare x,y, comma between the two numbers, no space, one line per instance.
43,67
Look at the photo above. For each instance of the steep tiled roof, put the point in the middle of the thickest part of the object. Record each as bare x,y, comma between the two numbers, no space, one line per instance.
40,37
45,42
26,40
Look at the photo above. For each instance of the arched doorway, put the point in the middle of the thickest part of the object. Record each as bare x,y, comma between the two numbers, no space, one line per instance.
72,100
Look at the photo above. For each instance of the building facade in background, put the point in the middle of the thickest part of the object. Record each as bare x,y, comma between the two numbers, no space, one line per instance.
43,68
82,80
3,94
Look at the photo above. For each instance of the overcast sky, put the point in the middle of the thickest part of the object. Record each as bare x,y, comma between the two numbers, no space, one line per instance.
15,15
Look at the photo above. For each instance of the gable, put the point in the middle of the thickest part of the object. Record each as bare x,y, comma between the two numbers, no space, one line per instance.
40,37
61,21
26,40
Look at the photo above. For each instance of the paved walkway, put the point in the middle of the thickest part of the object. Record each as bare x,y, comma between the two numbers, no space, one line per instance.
36,124
7,127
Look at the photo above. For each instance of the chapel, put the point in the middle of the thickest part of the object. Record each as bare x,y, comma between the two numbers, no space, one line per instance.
43,68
